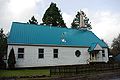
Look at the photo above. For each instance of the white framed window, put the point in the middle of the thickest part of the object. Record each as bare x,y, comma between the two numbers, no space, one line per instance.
77,53
40,53
20,53
103,53
55,53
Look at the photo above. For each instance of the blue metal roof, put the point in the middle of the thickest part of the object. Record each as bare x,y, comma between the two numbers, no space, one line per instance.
22,33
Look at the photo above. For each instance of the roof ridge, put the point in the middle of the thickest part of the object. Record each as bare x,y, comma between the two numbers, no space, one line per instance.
50,26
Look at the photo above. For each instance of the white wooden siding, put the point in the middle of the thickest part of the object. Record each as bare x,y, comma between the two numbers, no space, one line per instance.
66,56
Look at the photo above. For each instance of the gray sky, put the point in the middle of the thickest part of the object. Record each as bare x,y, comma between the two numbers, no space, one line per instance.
104,14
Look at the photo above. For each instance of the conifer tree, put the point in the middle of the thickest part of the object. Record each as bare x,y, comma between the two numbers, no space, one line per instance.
76,21
53,17
33,21
116,46
3,48
11,59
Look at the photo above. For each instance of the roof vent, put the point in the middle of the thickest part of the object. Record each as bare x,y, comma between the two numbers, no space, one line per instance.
63,37
63,40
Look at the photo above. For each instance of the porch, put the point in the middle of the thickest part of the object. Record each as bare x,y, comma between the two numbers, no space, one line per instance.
97,56
97,53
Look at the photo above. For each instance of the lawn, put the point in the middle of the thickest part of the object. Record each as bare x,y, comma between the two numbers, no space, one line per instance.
24,72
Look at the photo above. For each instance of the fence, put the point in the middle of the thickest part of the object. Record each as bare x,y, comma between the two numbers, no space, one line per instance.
81,69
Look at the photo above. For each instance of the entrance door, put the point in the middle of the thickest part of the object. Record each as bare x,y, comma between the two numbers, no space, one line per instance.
93,55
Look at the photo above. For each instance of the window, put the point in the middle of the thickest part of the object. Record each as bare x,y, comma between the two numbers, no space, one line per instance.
92,55
55,50
55,53
77,53
20,55
103,55
20,52
41,50
103,51
40,53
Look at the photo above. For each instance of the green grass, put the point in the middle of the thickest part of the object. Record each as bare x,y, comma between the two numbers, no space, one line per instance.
25,72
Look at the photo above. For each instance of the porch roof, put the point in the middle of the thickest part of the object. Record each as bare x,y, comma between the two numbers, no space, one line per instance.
93,46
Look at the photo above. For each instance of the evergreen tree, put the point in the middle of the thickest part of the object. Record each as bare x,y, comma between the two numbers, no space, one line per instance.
11,59
3,48
116,46
76,21
33,20
53,17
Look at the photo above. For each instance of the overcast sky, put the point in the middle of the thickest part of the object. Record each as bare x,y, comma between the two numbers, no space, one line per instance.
104,14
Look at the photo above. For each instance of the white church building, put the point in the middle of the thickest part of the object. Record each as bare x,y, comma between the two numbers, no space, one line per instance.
40,46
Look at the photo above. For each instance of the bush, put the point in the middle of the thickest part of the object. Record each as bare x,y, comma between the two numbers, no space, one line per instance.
2,65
